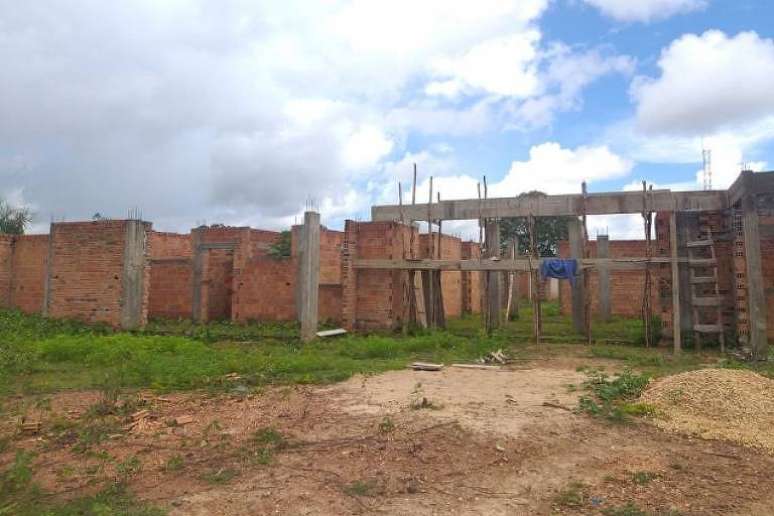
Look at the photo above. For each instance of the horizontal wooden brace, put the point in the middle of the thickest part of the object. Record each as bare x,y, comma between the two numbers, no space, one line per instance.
519,264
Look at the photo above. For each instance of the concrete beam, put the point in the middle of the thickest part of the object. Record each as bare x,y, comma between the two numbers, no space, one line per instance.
133,279
553,205
309,275
575,229
603,251
756,297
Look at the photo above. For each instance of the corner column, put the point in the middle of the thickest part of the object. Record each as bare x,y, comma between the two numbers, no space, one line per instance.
756,297
676,335
309,275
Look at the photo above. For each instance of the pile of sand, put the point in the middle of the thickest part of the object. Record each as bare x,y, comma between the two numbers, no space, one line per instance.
727,404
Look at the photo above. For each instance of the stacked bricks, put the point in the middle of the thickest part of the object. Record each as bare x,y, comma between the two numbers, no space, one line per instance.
87,270
30,256
451,281
626,287
739,276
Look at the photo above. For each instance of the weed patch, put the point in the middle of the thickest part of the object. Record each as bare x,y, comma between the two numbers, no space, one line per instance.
610,395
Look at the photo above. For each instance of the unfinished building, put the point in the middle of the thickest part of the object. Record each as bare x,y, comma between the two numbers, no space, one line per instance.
711,265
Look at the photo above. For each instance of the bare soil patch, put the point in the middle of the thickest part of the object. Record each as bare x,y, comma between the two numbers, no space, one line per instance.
484,443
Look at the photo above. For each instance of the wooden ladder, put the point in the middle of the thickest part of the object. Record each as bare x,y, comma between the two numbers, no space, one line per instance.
706,301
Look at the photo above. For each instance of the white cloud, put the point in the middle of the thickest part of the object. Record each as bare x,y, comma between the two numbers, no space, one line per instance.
708,83
645,10
499,66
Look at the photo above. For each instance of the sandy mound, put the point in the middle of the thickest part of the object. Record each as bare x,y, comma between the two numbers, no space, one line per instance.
716,404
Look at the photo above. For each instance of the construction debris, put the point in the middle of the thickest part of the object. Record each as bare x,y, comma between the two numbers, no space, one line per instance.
494,357
183,420
425,366
725,404
331,333
31,427
477,366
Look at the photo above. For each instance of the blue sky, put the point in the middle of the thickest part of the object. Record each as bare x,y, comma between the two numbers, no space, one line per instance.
241,112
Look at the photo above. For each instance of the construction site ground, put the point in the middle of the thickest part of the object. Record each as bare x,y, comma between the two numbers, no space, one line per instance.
456,441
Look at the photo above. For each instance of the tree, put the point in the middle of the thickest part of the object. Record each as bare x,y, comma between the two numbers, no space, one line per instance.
13,221
281,248
549,231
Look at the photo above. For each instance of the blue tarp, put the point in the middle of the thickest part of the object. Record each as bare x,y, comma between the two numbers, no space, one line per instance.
558,268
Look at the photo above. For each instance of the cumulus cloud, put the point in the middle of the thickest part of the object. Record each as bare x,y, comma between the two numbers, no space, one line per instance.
238,112
708,82
645,10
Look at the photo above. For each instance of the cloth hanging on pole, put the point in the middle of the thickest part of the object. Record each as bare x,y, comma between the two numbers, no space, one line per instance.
560,269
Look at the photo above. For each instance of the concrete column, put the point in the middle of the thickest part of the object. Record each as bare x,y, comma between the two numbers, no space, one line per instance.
494,278
603,271
575,229
756,297
133,314
309,275
676,334
49,267
196,276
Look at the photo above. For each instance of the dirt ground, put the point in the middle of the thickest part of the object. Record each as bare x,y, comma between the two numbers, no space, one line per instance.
405,442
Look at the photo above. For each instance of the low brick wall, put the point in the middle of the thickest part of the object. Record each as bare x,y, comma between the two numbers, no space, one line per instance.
265,290
6,258
30,255
170,288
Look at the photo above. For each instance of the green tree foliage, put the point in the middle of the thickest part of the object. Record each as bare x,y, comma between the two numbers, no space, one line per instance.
13,221
281,248
549,231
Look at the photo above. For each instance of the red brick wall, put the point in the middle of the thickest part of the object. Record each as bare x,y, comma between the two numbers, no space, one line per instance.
86,271
6,253
626,287
169,245
471,281
451,281
330,253
767,261
170,288
30,254
265,290
373,299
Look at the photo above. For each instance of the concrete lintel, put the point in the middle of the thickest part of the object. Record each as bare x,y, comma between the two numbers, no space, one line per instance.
554,205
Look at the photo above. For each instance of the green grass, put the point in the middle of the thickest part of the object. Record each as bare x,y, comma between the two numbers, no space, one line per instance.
39,355
20,496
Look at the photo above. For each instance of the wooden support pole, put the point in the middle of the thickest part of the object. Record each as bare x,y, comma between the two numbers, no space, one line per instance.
586,276
512,309
756,296
493,298
676,336
309,275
